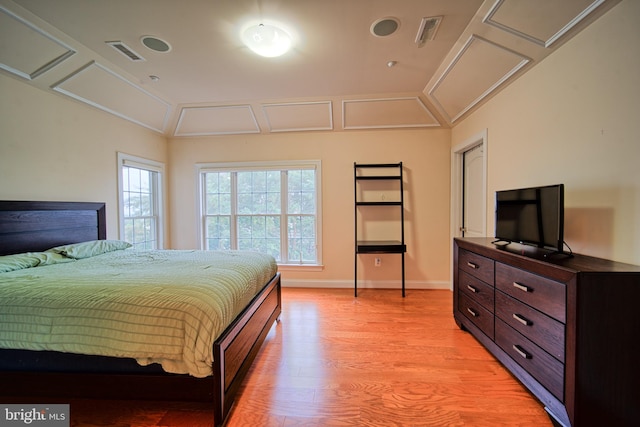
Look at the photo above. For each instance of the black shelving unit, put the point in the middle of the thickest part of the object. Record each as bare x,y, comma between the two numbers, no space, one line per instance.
379,246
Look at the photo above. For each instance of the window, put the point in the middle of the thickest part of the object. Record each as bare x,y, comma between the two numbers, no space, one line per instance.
140,201
272,208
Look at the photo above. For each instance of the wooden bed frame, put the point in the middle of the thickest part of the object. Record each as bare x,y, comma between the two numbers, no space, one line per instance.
36,226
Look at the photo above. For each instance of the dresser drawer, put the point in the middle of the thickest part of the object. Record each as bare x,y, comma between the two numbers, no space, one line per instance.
546,295
480,316
544,368
476,265
543,330
477,290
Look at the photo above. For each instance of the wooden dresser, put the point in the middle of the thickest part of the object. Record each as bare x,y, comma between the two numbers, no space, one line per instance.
567,327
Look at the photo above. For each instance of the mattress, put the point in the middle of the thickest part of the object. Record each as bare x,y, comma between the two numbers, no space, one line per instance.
165,307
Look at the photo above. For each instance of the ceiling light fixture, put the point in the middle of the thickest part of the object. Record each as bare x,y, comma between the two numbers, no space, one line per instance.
267,40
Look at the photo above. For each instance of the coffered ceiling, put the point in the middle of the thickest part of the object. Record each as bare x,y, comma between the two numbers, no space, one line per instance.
339,76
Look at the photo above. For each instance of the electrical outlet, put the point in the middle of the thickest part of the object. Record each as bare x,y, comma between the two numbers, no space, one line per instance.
378,262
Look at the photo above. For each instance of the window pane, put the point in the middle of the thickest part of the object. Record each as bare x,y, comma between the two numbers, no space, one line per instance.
211,204
307,203
218,204
260,233
145,185
139,231
126,204
245,184
245,204
258,192
301,192
258,203
139,193
273,181
218,193
294,203
273,203
134,179
128,230
146,204
293,177
258,227
218,229
308,180
244,227
302,239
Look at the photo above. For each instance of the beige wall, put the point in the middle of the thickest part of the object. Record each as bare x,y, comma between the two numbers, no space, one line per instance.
574,119
425,154
53,148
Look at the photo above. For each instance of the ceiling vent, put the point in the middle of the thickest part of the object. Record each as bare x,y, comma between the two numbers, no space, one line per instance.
155,44
428,28
385,27
126,51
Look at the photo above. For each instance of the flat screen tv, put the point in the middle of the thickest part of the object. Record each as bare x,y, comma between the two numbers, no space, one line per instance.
533,216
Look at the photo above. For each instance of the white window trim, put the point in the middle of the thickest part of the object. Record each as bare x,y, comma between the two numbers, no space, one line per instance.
152,165
271,165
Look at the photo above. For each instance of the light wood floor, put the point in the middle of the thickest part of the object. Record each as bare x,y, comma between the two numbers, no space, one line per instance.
335,360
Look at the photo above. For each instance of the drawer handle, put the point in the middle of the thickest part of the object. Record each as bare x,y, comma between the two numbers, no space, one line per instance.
473,265
472,289
521,352
522,287
519,318
473,313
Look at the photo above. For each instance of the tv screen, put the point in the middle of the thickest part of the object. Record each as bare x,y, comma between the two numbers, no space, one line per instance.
531,216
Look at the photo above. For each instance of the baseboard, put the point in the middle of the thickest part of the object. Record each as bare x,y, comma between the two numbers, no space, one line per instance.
365,284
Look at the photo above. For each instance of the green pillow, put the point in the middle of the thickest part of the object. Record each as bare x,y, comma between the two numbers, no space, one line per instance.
18,261
90,248
30,259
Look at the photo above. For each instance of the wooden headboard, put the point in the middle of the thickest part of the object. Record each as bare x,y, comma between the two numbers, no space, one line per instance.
27,226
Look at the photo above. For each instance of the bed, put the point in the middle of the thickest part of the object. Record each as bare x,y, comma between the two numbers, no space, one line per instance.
169,348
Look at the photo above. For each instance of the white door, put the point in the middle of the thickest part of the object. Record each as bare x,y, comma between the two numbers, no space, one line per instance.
473,194
469,187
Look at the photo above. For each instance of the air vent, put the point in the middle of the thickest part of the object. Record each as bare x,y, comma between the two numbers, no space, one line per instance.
428,28
126,51
384,27
155,44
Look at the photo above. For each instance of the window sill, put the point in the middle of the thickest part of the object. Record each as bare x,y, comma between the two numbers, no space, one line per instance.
300,267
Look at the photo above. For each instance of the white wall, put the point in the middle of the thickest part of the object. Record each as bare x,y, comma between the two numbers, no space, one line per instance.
574,119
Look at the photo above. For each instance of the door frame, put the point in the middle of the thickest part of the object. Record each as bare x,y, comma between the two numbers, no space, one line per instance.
457,181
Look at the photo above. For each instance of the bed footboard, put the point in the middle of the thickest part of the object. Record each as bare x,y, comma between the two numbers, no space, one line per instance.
236,349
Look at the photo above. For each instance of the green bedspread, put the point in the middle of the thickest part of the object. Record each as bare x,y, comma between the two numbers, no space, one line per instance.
155,306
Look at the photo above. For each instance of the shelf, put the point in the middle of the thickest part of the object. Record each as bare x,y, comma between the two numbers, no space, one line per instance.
396,194
378,177
378,203
378,165
380,247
